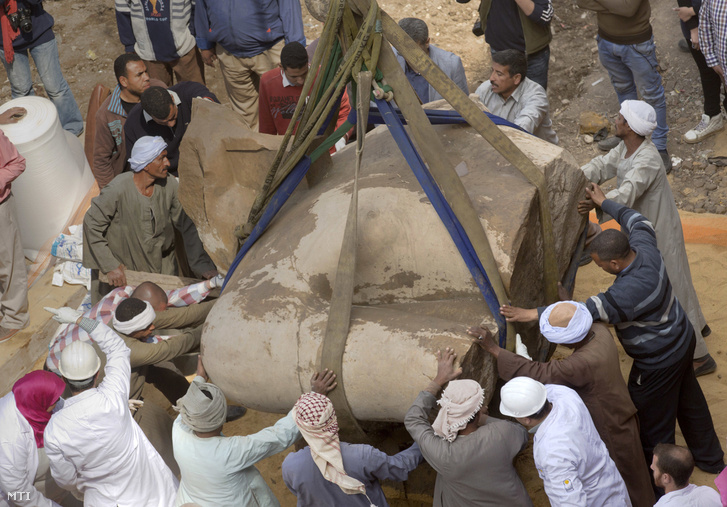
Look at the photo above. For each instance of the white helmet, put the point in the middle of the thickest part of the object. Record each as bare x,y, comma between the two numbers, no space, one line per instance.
79,361
522,397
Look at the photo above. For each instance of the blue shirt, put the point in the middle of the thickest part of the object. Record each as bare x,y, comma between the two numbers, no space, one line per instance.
650,323
362,462
247,28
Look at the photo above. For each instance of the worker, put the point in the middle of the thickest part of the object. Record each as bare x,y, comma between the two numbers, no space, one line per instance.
130,225
134,321
570,457
219,470
593,371
14,314
175,309
477,470
330,473
166,113
448,62
642,185
673,466
654,330
25,478
94,446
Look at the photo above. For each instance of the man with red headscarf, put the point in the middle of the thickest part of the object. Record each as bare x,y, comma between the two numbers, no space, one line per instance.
24,414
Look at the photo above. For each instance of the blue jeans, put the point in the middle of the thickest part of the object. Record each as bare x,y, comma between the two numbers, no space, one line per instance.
48,64
538,67
633,67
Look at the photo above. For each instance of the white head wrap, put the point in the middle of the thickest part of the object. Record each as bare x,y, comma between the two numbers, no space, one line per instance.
198,411
576,330
640,116
141,321
145,150
460,402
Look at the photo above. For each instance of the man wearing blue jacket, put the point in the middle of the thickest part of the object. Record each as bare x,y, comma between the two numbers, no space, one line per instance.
27,30
246,36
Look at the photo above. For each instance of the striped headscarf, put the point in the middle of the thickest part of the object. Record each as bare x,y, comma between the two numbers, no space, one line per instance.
315,417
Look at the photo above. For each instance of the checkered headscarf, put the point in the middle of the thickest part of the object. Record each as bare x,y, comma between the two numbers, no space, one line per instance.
314,415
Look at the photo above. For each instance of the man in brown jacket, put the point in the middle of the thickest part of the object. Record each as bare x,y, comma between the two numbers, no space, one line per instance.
109,150
593,372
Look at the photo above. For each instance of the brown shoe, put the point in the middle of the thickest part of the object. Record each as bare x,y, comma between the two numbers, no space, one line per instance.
6,334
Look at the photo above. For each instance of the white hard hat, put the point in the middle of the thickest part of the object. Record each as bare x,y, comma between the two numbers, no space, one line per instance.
79,361
522,397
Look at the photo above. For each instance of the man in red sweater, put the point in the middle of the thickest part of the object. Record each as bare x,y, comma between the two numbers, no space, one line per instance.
280,90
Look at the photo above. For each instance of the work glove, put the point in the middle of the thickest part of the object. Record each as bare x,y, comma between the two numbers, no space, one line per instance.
135,405
64,315
520,348
217,281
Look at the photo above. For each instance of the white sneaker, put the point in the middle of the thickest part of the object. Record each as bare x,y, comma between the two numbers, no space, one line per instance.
704,129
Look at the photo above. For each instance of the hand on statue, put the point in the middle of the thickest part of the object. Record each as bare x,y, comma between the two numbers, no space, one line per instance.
65,315
209,57
595,194
12,115
216,281
135,405
485,339
585,206
445,367
515,314
323,382
117,277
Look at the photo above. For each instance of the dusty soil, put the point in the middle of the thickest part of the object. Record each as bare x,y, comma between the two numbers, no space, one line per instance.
89,43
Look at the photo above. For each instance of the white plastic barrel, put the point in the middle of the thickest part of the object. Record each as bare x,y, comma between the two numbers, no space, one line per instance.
57,176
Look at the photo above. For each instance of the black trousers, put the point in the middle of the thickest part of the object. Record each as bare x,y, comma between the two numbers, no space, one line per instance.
711,83
667,395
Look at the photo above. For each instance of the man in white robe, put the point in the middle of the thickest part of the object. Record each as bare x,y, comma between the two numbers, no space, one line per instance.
643,186
94,446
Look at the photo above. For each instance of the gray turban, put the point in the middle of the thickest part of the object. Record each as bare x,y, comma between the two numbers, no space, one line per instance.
198,411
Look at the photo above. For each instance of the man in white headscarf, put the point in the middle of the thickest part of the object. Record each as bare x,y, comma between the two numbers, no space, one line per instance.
219,470
330,473
131,224
593,371
133,321
643,187
471,452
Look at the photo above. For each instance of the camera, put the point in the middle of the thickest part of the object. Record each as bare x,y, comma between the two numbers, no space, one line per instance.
21,20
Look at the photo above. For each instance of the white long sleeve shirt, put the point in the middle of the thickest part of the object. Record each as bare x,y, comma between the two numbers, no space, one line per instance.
220,471
572,459
691,496
95,447
18,458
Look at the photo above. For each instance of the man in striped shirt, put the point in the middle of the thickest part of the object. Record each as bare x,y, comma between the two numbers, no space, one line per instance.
654,330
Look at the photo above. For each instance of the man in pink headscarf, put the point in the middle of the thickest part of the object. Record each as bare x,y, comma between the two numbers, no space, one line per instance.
471,452
24,414
330,473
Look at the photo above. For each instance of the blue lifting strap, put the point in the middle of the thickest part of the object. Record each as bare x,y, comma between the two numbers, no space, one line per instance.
449,219
394,122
